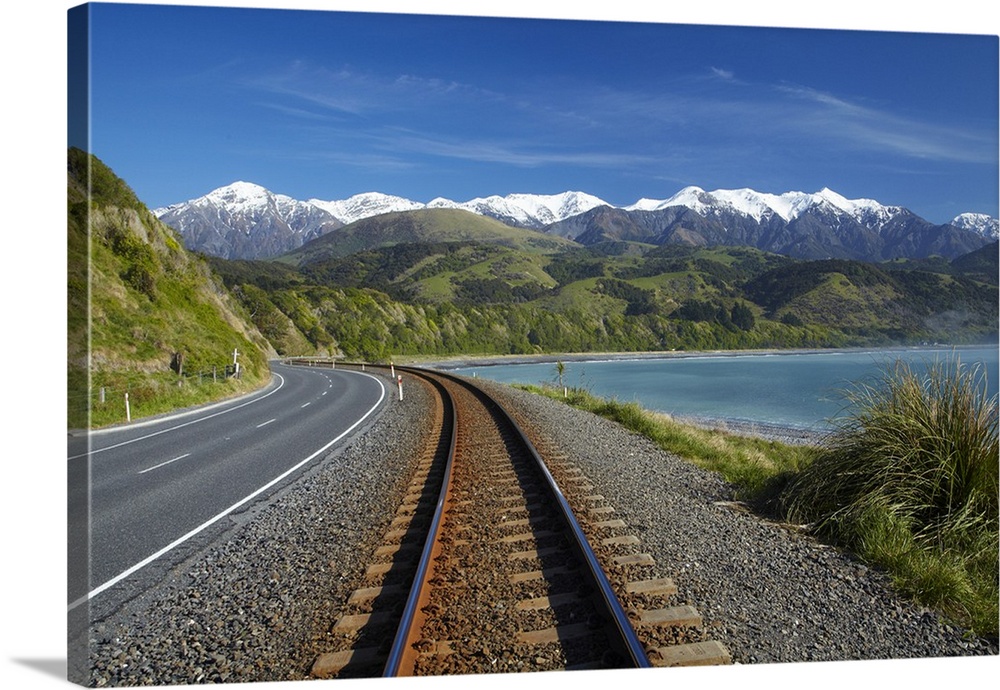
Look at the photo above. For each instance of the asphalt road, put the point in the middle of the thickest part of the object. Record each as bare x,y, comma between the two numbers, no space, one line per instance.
156,486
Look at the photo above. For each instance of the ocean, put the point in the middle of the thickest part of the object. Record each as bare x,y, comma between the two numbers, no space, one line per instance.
801,390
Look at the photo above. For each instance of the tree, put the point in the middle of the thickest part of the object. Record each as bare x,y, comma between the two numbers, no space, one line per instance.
742,317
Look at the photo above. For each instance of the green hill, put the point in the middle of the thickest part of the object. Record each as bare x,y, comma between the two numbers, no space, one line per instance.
161,325
464,297
981,265
872,301
422,226
439,282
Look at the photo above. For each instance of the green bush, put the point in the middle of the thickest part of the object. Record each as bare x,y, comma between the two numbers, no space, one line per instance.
909,482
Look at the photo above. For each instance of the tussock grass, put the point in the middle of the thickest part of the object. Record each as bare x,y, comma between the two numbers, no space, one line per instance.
908,480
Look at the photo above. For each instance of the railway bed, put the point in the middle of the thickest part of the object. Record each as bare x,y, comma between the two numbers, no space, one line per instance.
487,569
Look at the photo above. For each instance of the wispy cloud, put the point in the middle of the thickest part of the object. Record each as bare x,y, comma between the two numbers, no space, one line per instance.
866,127
359,93
519,153
385,120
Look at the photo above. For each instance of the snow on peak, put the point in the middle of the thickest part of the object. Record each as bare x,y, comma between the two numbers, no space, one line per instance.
985,225
744,201
539,210
364,205
760,205
532,210
859,208
239,196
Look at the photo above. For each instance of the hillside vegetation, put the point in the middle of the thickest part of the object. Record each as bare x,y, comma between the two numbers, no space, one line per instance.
162,327
441,282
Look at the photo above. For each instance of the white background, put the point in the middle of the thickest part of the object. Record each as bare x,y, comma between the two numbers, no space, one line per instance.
32,325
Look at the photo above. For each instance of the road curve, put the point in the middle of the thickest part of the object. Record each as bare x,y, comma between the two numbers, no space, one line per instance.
156,485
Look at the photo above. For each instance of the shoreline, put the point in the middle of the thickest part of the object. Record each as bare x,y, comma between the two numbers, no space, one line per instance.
465,361
763,429
789,435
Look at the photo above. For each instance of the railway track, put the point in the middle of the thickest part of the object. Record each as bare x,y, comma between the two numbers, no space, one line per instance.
486,568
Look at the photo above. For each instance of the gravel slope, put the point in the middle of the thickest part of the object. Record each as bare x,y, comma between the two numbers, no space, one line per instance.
255,603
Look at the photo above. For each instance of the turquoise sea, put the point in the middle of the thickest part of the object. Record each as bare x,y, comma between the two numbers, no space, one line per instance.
801,390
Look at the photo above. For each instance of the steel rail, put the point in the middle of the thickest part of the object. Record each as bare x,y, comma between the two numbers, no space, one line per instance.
419,591
633,649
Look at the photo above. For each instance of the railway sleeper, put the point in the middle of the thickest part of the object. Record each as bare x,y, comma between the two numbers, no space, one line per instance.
332,664
708,653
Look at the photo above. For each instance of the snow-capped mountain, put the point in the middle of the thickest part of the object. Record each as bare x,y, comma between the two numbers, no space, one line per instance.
247,221
820,225
981,223
526,210
365,205
761,206
232,221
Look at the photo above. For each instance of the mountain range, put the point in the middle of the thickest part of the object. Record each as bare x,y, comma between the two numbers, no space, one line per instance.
443,281
246,221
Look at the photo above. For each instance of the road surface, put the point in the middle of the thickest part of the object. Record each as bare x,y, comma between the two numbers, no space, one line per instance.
156,487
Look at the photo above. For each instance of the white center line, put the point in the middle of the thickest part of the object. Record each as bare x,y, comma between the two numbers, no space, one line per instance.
306,405
179,457
267,422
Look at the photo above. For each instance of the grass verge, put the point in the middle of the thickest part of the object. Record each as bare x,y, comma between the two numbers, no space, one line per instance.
754,466
153,394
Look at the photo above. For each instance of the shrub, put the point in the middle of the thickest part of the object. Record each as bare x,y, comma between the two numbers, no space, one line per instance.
909,482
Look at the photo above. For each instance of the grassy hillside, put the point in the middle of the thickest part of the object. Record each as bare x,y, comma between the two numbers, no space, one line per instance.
422,226
443,296
160,322
871,301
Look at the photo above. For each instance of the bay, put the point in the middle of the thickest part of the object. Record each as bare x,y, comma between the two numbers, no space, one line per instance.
801,389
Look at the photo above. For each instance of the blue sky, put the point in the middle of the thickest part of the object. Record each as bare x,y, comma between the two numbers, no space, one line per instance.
324,105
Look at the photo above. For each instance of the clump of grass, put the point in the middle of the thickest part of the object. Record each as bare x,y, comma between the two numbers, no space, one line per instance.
909,482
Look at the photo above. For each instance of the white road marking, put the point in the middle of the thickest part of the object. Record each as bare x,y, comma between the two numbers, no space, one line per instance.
267,422
306,405
179,457
177,542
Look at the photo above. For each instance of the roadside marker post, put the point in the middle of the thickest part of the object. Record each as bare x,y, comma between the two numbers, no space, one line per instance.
399,382
128,411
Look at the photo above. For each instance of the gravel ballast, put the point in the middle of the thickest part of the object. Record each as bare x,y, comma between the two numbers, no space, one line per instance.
255,603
